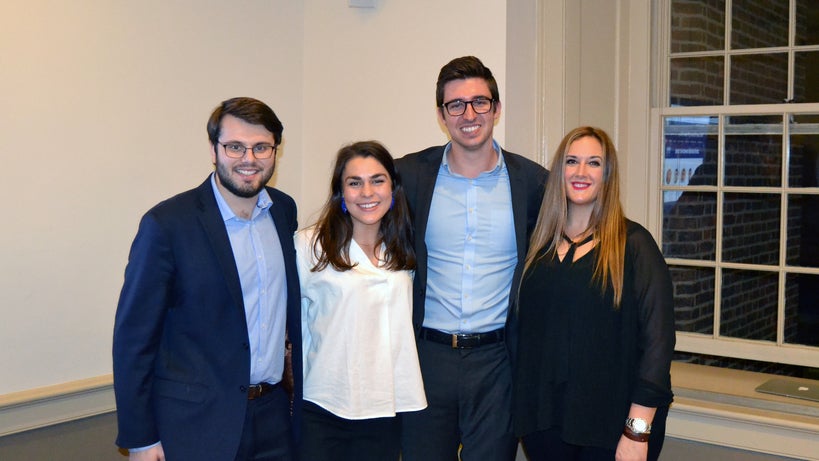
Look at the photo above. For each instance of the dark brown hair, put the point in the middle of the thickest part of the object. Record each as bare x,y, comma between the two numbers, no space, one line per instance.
251,111
334,228
461,69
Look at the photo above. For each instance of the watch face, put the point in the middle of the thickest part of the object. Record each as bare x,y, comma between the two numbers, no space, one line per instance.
639,425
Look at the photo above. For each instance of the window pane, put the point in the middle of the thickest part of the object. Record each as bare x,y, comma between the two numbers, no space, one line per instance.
803,231
748,307
690,151
802,309
689,225
807,22
753,151
804,151
806,76
697,25
750,228
759,78
759,24
696,81
693,298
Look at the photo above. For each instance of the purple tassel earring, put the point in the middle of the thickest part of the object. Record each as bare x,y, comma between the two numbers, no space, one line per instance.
343,207
392,203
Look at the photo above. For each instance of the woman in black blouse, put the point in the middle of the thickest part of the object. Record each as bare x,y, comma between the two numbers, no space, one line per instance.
596,318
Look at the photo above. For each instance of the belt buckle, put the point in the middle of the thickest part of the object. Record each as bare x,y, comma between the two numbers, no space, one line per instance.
465,340
254,391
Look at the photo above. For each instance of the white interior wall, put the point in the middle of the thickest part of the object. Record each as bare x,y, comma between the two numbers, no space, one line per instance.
104,107
370,74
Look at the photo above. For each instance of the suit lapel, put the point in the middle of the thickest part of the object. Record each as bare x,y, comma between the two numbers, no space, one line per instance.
282,226
518,189
214,226
427,175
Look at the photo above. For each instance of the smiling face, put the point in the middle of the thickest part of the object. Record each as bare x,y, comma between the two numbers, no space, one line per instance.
469,131
367,192
583,171
246,176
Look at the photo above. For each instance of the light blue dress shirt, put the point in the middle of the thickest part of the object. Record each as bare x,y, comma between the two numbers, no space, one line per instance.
260,262
471,249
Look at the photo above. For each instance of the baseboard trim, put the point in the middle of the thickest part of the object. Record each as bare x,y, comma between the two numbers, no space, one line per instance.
45,406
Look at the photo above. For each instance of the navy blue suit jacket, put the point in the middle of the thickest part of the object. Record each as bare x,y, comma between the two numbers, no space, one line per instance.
181,349
527,181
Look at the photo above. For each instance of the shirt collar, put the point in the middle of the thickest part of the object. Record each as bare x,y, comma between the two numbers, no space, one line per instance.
498,167
263,202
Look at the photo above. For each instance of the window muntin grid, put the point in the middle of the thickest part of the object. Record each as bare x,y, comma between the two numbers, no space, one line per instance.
742,122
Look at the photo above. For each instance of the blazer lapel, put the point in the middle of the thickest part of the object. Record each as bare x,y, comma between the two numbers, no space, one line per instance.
214,226
427,175
282,226
517,186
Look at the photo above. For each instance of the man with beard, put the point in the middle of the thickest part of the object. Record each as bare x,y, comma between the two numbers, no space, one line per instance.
210,296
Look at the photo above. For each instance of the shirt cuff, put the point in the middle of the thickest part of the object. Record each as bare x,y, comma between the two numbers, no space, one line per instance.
135,450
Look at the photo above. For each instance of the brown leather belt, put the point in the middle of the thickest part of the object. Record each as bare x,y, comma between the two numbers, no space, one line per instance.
254,391
462,340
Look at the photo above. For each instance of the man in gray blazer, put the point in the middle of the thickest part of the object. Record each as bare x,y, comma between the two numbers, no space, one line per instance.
211,290
473,206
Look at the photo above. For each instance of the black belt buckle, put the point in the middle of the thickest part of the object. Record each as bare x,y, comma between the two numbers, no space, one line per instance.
465,340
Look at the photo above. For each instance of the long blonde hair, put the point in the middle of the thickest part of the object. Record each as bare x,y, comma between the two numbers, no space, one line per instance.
607,222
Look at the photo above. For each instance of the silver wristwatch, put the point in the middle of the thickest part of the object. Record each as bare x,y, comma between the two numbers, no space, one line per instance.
637,429
638,425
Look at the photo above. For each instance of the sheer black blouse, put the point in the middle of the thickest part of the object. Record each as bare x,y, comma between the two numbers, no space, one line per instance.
581,362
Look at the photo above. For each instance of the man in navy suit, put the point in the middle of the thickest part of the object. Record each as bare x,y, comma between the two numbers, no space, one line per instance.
211,295
473,206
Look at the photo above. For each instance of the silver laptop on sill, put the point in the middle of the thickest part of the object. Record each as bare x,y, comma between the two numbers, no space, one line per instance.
805,389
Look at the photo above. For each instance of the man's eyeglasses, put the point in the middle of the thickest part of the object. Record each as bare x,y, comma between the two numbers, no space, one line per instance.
237,150
458,106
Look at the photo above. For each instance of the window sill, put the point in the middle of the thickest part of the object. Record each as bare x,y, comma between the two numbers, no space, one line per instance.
720,406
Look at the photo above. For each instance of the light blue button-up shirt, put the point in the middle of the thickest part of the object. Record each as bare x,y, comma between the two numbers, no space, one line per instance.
260,262
471,250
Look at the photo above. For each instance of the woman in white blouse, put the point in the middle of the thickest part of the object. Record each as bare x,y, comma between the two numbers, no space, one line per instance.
355,268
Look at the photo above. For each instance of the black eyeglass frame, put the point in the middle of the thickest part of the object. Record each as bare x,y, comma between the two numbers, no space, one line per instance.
471,102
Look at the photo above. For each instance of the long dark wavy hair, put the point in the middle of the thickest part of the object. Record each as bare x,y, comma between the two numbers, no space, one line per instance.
334,228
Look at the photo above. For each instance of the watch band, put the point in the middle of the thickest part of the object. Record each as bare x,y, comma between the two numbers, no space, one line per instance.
637,437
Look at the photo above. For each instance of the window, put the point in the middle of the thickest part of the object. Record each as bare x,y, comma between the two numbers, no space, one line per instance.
739,143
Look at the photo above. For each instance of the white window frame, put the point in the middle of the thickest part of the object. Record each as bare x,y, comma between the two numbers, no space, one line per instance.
713,344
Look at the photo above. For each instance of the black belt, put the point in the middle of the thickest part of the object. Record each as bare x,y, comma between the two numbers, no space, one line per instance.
254,391
462,340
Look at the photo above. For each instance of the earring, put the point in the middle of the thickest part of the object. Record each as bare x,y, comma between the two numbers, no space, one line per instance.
343,207
392,203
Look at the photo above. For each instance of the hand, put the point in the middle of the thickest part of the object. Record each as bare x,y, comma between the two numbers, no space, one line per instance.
629,450
155,453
